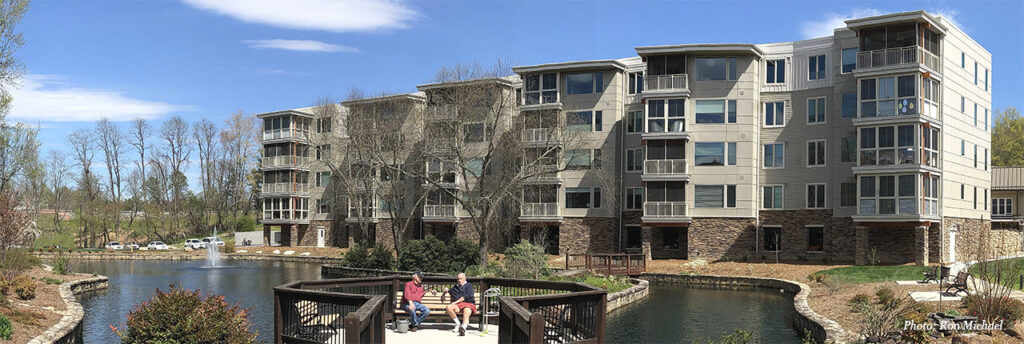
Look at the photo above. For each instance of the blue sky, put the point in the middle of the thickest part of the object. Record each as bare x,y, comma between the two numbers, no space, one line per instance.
210,58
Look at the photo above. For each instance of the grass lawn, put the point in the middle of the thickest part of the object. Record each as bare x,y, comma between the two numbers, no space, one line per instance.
1011,268
869,274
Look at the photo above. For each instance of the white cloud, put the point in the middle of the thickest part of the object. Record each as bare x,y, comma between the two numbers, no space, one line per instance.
326,15
950,15
299,45
47,98
826,26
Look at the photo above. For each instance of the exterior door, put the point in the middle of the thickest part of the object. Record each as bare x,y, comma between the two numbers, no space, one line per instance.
321,234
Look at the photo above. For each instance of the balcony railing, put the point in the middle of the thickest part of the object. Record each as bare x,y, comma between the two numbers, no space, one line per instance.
285,188
540,135
439,210
665,209
441,113
540,210
665,82
362,212
285,161
285,214
897,56
541,172
668,166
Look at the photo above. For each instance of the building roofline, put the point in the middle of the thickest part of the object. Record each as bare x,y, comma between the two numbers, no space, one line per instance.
284,112
742,48
572,65
918,16
504,81
418,97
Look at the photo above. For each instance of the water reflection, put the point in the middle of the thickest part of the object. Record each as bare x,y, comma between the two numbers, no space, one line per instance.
249,283
677,314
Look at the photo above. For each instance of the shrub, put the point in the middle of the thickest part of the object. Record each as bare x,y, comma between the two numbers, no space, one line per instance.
25,287
816,277
245,224
859,299
834,283
377,257
524,260
610,283
993,309
185,316
493,269
885,295
952,312
433,255
16,261
64,264
6,329
229,247
357,256
50,280
737,337
25,317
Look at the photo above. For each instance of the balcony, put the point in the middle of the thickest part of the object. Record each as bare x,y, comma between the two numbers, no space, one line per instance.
676,85
895,57
285,188
285,161
285,216
439,213
444,180
357,214
441,113
540,212
542,174
541,136
665,212
286,133
667,169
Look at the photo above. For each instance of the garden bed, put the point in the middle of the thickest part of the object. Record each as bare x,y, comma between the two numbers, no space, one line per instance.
33,317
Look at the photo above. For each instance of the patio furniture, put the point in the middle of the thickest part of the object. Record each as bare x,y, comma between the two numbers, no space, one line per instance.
933,275
312,324
959,283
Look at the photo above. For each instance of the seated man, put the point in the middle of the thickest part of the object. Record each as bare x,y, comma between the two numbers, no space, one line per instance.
462,303
412,301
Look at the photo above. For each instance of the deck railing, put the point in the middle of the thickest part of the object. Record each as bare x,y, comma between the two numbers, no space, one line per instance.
354,310
540,210
897,56
665,166
665,209
665,82
285,161
285,188
438,210
607,263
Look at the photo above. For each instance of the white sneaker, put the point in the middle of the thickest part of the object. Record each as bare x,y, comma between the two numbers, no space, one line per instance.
456,328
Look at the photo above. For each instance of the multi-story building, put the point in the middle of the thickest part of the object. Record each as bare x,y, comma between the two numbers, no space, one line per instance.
868,145
1007,218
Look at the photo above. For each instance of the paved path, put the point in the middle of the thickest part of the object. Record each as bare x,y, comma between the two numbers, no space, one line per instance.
437,333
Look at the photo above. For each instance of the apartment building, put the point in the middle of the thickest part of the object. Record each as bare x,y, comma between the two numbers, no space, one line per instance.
1007,218
868,145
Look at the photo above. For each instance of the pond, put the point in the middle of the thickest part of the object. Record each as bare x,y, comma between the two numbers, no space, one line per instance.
670,314
692,314
248,283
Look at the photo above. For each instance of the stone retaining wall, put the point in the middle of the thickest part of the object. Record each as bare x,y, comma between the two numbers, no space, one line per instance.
183,257
69,328
624,297
822,329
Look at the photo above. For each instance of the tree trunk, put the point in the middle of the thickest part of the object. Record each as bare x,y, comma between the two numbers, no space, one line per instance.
483,247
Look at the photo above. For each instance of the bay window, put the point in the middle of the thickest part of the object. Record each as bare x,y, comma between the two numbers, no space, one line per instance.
541,88
891,194
666,116
584,83
716,68
890,96
888,145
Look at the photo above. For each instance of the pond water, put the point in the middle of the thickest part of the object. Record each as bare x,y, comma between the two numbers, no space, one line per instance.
670,314
248,283
691,314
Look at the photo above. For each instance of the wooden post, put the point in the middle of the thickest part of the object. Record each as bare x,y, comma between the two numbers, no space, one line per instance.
567,261
609,263
278,319
536,328
352,328
600,317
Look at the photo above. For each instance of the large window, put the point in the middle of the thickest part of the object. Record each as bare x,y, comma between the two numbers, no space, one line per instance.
931,147
636,83
582,198
732,112
849,105
816,67
771,196
772,238
666,116
670,238
888,195
710,111
848,194
582,159
718,68
815,238
635,122
816,153
634,160
541,88
323,125
774,155
849,60
1002,207
815,196
709,196
582,121
477,132
633,236
889,145
931,195
816,110
714,153
776,71
667,191
774,114
634,198
584,83
323,178
888,96
848,150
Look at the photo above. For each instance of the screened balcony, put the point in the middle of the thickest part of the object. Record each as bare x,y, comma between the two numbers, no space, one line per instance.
654,83
897,45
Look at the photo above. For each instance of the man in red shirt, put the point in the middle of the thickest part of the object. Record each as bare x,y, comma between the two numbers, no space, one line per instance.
412,298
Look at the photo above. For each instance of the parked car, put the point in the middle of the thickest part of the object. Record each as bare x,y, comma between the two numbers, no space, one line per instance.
114,245
132,246
157,245
194,244
208,240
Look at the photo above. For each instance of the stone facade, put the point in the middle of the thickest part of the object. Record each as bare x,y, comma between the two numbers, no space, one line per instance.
721,238
838,236
587,234
1007,239
972,239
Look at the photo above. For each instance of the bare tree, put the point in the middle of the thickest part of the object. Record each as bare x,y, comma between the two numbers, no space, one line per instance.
13,226
240,143
57,175
204,133
111,141
176,152
83,145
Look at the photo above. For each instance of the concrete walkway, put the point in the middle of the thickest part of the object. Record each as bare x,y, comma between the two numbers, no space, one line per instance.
435,333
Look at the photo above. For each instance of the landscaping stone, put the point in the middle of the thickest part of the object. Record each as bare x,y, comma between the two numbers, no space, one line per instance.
276,252
288,253
68,329
1015,330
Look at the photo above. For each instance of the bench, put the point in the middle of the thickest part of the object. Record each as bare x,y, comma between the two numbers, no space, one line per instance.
959,283
437,307
932,275
312,323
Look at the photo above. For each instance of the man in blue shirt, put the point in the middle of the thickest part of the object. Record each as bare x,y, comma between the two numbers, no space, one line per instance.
462,303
